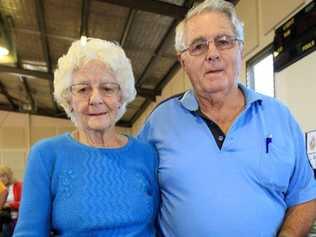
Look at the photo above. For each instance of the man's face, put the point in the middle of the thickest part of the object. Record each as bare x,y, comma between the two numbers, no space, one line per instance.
216,70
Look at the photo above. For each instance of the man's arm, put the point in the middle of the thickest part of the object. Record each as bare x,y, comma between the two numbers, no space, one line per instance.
298,220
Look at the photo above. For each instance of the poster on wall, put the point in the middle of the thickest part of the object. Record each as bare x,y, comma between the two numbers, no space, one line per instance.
311,147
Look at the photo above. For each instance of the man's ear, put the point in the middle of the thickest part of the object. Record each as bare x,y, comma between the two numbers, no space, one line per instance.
180,59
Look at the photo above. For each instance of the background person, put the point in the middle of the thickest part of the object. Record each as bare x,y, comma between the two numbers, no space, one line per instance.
10,196
234,161
93,181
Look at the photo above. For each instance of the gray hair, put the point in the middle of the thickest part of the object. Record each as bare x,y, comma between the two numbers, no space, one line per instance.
81,52
208,6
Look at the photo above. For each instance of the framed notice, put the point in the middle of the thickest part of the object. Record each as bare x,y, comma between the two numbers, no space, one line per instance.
311,141
311,147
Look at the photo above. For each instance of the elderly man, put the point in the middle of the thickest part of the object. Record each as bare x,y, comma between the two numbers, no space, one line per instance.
232,161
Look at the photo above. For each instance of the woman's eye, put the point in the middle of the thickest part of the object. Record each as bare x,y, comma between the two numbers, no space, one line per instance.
107,89
83,89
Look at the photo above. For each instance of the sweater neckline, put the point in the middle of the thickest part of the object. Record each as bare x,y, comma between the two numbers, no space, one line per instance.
116,149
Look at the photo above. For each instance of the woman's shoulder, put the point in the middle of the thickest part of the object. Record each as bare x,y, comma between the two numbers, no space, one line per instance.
51,142
49,147
141,144
145,150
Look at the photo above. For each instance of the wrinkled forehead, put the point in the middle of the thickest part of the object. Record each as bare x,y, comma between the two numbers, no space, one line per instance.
93,65
93,70
207,24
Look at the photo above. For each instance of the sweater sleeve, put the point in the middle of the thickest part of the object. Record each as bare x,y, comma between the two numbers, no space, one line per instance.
35,210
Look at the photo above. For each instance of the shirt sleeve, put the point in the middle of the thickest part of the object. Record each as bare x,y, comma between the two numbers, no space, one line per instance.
302,187
144,132
35,209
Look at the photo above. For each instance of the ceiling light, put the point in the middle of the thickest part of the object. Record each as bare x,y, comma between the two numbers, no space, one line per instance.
4,51
83,40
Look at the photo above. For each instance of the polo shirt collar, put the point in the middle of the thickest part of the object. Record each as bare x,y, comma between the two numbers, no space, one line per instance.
250,95
189,101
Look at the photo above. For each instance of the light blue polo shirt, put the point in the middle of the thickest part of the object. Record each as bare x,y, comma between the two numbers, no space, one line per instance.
241,190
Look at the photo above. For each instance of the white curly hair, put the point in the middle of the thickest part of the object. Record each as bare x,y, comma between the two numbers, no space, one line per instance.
208,6
81,52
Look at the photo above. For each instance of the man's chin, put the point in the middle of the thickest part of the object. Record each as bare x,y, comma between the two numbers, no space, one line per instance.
214,88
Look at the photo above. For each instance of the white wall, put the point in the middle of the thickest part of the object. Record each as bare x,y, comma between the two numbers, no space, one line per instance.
296,87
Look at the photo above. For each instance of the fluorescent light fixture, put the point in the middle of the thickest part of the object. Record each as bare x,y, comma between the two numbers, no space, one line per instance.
4,51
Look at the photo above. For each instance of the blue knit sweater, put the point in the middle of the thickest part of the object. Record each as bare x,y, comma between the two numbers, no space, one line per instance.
78,190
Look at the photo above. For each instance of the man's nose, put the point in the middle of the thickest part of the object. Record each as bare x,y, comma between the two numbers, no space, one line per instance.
212,51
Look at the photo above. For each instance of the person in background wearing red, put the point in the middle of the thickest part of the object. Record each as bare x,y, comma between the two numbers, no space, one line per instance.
10,196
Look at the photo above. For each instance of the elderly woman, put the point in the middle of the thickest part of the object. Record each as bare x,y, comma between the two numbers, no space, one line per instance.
93,181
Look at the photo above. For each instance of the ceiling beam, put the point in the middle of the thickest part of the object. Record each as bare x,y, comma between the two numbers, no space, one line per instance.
142,77
139,112
42,29
127,27
84,17
153,6
28,92
189,3
40,15
169,75
25,72
148,93
4,91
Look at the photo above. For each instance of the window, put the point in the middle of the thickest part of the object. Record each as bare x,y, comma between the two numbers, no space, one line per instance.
260,73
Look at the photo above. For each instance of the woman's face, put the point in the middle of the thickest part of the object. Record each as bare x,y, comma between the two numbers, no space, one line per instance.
95,96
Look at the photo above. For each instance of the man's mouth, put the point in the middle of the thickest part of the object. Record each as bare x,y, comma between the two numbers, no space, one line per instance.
213,72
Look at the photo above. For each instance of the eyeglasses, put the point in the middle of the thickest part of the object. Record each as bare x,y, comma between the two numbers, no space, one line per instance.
84,90
201,45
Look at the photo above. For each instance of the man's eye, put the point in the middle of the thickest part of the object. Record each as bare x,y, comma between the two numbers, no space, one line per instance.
223,42
198,46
